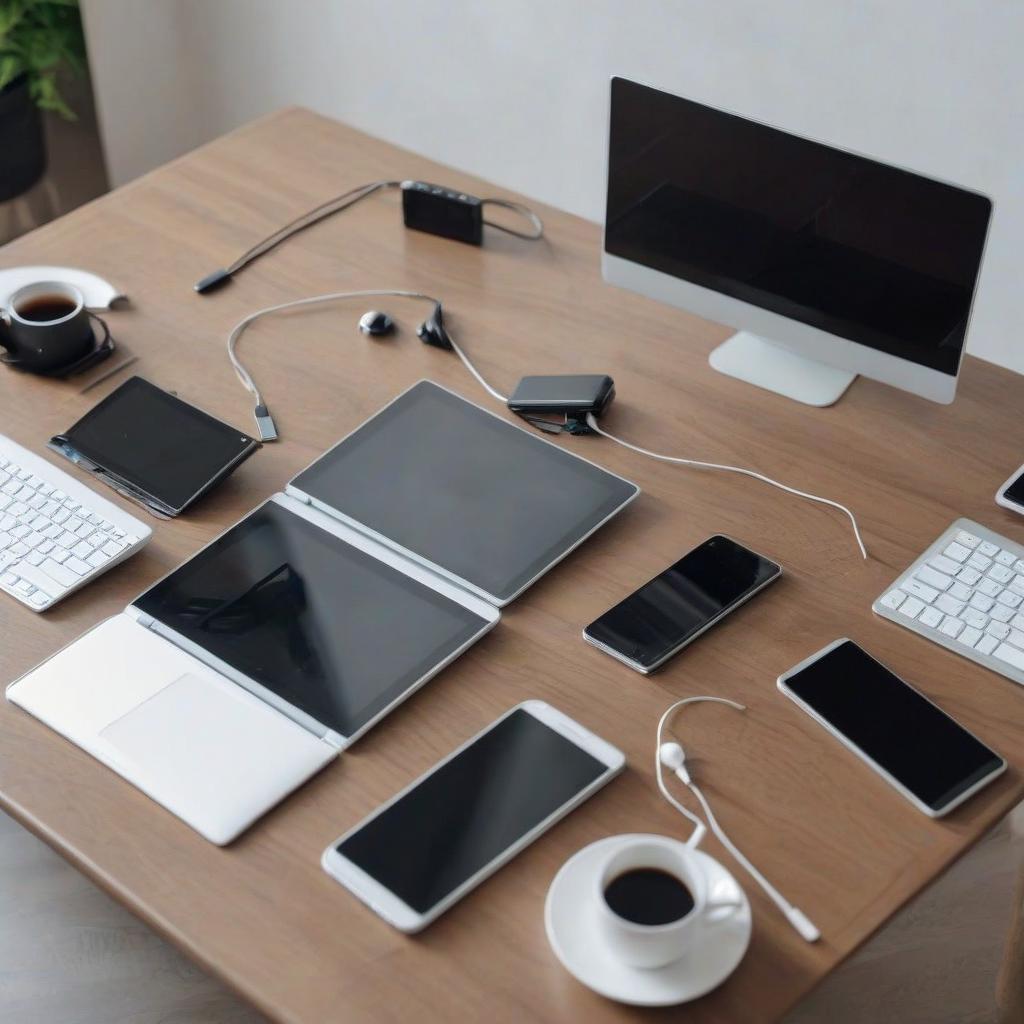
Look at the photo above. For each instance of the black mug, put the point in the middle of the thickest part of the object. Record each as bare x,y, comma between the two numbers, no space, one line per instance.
45,326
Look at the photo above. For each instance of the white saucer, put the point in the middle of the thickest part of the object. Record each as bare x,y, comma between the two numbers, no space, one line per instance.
99,294
571,922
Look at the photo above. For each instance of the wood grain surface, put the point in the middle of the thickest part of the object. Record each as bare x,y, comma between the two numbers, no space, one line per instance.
832,835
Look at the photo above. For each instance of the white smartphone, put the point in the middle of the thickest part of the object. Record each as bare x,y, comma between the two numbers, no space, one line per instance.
1011,494
442,835
912,743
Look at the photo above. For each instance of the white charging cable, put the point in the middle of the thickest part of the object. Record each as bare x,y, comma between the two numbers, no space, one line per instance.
592,423
264,421
672,756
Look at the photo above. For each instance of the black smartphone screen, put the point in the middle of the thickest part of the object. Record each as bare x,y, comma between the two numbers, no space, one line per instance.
656,620
458,819
1015,491
897,728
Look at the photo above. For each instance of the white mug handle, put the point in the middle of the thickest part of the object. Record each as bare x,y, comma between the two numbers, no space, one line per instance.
713,910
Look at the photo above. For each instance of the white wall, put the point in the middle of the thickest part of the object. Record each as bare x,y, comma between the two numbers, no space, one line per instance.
516,92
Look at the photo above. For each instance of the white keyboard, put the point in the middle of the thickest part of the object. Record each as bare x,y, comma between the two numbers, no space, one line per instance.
56,534
966,592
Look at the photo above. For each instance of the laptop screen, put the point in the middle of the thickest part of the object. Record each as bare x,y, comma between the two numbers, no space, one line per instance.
327,627
465,491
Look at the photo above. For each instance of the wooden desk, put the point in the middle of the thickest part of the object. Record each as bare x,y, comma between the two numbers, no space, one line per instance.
834,837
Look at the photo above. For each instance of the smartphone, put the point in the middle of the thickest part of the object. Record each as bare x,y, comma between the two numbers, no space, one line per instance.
673,609
912,743
1011,494
441,836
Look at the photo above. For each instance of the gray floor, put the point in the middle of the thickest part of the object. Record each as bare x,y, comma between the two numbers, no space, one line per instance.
70,954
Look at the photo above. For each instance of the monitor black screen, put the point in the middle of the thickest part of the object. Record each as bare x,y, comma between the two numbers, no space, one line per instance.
848,245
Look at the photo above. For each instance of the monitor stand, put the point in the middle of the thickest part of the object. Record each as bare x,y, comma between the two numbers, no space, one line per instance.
769,366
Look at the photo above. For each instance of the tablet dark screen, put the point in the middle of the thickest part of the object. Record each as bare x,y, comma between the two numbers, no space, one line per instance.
329,628
465,490
158,443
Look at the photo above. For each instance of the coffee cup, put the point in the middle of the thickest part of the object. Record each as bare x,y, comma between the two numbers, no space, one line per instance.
653,901
46,326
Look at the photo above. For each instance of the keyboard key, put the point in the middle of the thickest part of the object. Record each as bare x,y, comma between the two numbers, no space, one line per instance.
986,547
1011,655
1001,613
1010,599
967,539
82,549
961,592
893,599
982,602
998,629
33,558
931,617
1017,621
77,565
1016,638
949,605
974,618
986,645
39,599
1001,574
990,587
1017,585
970,636
951,626
1006,558
912,606
979,562
921,590
59,574
98,558
934,578
957,552
944,564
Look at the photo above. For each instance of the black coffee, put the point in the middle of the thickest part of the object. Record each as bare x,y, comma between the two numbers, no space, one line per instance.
648,896
41,309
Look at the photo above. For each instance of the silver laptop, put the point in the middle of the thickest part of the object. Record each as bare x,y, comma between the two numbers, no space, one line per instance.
246,670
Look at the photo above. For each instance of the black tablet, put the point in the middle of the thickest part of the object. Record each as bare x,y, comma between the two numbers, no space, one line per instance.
153,447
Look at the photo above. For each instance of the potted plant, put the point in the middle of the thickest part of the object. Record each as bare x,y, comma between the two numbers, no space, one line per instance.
38,39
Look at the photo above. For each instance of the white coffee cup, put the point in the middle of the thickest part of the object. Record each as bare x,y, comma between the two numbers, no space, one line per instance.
654,945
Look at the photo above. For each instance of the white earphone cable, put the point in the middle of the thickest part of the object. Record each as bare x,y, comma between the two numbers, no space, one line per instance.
796,917
592,423
264,421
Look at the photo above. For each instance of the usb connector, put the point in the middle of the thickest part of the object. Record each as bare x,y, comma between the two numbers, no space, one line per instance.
265,423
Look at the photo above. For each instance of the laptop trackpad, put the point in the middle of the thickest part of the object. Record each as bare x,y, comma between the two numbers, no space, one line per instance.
212,753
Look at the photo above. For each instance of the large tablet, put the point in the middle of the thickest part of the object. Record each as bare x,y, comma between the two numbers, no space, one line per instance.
463,491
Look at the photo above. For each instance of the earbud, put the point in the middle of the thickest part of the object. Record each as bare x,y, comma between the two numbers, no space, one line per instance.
432,332
375,323
672,756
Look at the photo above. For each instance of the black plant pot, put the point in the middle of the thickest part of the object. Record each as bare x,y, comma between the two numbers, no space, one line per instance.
22,143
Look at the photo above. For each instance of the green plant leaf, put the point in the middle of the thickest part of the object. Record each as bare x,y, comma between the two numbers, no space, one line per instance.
40,38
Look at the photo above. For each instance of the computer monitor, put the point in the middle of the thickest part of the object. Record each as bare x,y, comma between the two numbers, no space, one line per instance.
828,263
